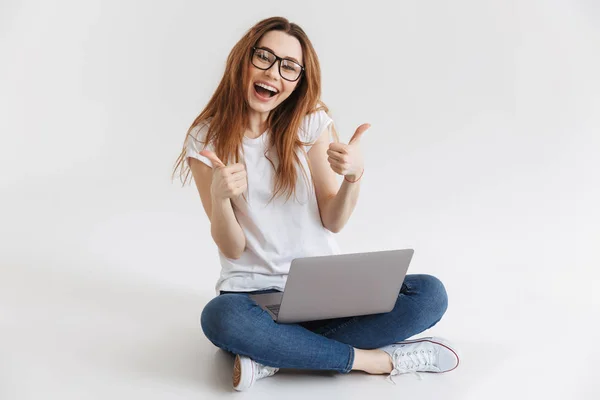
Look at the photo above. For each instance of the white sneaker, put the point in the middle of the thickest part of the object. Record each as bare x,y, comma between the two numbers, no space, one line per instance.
428,354
246,372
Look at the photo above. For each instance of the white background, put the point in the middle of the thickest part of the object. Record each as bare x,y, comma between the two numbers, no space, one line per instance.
482,156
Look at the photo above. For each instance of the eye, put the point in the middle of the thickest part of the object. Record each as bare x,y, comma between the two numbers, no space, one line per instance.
289,66
263,55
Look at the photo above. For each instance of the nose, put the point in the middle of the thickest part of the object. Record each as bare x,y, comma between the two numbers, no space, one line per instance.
273,72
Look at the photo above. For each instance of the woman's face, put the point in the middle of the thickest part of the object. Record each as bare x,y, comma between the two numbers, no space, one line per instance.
264,99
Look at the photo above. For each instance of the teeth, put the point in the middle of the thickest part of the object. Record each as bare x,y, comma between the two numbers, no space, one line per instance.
262,85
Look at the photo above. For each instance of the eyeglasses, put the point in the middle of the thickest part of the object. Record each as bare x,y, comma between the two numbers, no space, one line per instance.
288,69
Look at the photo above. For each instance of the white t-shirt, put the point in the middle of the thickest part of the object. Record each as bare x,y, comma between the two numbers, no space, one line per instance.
276,231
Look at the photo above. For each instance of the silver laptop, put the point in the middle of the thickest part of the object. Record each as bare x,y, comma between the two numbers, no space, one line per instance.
338,286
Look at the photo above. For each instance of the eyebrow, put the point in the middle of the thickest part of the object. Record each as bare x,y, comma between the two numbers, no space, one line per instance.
288,58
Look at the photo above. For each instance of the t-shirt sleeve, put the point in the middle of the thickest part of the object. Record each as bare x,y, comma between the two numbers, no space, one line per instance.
195,143
313,126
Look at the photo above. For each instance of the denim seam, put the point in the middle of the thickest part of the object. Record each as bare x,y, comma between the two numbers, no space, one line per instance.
233,350
335,329
350,361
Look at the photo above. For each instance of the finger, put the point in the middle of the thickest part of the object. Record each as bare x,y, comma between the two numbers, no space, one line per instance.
213,158
240,176
359,132
336,167
239,173
239,190
339,147
336,163
235,168
338,171
335,155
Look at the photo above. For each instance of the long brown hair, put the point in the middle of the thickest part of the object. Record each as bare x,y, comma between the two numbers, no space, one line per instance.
228,108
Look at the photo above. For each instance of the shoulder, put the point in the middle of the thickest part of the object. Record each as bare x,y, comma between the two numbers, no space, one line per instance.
196,137
199,131
196,142
313,124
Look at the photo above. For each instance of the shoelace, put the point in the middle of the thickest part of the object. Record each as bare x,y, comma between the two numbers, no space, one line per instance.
264,371
412,363
395,372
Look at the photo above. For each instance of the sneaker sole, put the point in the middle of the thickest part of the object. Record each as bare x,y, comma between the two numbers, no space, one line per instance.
242,381
441,342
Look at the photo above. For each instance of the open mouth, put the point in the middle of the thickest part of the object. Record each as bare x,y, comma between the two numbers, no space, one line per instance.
264,90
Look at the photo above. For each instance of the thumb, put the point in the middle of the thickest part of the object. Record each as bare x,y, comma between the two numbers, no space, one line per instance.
213,158
359,132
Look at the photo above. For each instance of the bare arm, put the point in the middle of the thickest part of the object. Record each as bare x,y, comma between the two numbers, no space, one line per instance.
336,203
224,227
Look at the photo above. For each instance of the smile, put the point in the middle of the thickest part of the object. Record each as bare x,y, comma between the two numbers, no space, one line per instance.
264,91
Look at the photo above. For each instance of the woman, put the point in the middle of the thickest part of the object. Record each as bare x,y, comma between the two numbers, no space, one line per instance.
261,157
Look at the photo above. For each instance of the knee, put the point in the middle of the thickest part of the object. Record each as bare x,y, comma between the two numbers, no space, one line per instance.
432,292
220,320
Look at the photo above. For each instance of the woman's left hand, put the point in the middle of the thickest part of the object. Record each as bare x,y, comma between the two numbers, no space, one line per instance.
347,159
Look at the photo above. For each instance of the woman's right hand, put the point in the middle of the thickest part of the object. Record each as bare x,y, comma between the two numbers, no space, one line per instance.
228,181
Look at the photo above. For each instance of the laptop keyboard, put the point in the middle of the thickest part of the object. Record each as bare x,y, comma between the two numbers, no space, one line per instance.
274,308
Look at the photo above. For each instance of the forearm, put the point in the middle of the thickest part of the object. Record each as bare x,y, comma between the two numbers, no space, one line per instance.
339,208
226,230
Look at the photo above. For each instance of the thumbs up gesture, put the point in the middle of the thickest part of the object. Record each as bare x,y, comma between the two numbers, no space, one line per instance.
227,181
347,159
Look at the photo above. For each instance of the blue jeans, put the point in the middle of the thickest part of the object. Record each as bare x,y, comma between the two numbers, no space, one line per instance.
235,323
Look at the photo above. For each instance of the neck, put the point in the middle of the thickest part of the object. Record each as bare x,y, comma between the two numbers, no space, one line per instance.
257,124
